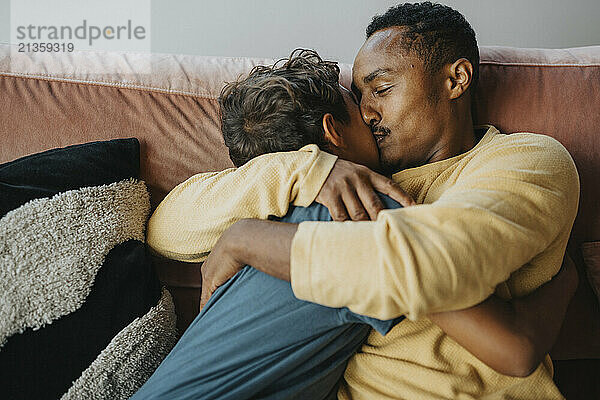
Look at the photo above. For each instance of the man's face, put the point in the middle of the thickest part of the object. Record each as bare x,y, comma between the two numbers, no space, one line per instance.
399,100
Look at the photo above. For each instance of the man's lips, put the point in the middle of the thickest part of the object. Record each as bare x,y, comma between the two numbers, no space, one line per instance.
379,137
380,133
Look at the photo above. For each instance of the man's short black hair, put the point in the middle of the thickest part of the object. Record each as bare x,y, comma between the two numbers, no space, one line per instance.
281,107
435,33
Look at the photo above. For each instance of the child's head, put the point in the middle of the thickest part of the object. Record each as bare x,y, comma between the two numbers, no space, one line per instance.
296,102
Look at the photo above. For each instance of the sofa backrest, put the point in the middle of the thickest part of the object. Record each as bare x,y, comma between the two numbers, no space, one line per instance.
169,102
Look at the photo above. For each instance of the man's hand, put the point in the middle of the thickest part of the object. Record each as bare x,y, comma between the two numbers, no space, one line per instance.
266,245
218,268
349,192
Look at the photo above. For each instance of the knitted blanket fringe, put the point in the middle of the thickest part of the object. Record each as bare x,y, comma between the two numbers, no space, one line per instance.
131,357
52,248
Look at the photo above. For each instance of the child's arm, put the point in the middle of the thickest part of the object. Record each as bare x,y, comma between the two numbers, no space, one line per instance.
512,337
189,221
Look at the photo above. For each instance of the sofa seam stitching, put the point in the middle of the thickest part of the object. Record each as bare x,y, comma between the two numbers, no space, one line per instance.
509,64
121,85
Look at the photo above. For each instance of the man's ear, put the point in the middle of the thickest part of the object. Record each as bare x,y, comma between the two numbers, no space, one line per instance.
460,76
332,134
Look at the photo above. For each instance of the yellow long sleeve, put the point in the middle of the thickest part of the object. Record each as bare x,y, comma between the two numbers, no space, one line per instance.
510,202
189,221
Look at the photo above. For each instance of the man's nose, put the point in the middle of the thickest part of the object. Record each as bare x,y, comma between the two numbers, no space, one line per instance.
369,114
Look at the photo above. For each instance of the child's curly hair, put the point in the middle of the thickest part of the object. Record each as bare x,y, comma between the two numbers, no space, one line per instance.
281,107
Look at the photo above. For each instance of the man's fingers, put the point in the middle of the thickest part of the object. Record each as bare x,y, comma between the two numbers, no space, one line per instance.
205,296
354,206
206,291
203,300
387,186
349,192
337,209
370,200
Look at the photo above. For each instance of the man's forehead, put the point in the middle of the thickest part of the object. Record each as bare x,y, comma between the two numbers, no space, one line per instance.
379,72
381,54
368,66
367,69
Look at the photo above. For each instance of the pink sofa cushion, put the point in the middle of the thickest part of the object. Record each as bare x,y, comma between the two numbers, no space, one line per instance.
554,92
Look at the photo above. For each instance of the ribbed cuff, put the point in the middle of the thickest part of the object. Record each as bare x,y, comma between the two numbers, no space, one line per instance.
311,185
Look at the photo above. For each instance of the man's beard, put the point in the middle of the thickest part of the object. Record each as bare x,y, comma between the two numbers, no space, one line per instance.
387,168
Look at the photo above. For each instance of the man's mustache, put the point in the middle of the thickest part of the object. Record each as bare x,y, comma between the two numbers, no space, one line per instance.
380,130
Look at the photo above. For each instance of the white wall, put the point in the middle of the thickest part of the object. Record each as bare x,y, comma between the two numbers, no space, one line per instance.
272,28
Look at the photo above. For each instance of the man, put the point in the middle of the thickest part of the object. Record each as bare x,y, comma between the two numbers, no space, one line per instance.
254,338
494,213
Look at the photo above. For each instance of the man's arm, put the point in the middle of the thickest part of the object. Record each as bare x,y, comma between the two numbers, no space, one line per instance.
238,247
443,256
512,337
514,203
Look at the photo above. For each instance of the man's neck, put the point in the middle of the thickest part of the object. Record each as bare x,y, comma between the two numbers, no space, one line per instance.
458,138
470,138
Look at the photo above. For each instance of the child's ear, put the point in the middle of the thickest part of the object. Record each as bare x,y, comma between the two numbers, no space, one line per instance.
332,133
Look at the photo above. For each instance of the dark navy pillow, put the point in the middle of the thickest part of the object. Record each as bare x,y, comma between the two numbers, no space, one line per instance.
50,172
43,364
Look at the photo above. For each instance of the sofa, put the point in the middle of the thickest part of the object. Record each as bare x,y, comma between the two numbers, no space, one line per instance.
169,103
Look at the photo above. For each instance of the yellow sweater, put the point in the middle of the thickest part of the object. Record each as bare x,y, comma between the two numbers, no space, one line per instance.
496,218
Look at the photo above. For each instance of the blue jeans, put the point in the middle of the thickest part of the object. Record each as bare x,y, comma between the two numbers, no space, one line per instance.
254,339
